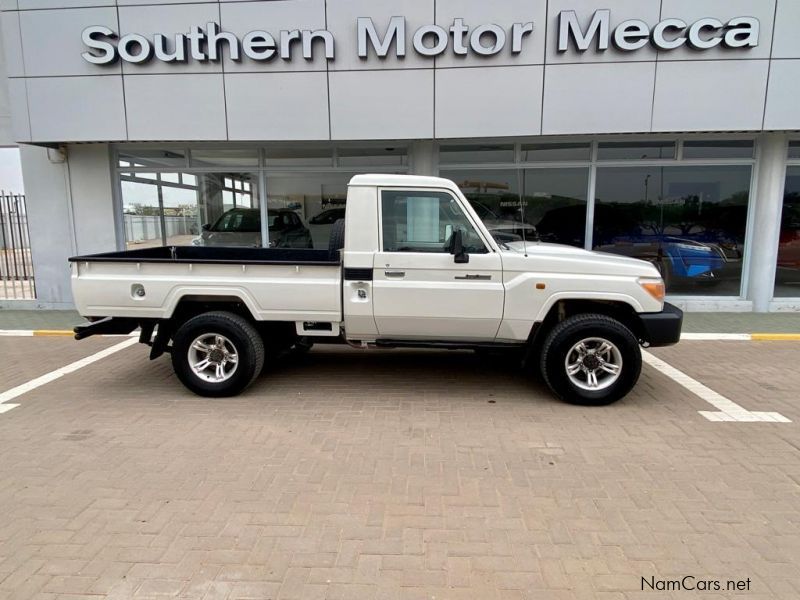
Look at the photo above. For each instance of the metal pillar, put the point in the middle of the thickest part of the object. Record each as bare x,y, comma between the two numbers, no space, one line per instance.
766,219
423,158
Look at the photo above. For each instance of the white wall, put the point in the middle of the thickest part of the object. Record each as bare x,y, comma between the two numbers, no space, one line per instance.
70,211
93,209
49,223
6,135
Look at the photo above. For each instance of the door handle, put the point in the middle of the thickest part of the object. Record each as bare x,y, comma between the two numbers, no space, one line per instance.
395,274
475,277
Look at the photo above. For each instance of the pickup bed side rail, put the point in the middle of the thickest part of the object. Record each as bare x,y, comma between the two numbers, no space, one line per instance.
217,255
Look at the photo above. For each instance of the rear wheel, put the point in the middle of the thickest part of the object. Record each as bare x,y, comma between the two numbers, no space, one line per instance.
217,354
591,359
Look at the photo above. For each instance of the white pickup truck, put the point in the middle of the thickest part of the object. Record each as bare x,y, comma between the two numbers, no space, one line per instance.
410,265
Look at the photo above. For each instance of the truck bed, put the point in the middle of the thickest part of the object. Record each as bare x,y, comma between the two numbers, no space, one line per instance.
216,255
150,282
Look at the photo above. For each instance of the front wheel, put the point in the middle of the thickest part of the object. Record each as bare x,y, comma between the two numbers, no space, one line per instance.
217,354
591,359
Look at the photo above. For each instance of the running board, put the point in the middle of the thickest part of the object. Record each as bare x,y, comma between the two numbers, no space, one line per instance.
449,345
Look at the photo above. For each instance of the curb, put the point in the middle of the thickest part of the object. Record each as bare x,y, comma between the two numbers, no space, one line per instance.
52,332
775,337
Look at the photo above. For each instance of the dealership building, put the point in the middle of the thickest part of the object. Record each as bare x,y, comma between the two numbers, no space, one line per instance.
662,129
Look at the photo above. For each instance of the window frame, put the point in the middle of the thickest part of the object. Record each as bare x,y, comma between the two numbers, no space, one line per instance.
478,229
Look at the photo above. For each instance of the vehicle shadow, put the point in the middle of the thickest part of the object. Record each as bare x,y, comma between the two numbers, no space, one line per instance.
429,373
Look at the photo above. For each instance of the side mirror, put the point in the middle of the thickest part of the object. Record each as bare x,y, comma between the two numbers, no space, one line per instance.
457,247
205,227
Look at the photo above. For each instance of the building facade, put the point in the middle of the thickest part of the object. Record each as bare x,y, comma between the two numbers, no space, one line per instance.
663,129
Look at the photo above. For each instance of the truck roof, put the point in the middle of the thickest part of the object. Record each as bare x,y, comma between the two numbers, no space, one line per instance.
393,180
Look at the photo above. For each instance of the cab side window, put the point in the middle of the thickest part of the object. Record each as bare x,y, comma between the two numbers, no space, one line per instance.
424,221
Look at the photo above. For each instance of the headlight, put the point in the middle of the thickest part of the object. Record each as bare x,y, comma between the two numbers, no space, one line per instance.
654,287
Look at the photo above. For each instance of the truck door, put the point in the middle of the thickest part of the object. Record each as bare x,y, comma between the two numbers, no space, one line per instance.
419,291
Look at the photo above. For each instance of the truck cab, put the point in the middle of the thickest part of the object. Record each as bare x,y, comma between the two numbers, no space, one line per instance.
411,265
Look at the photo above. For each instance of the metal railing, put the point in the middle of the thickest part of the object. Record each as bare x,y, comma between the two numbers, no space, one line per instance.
16,267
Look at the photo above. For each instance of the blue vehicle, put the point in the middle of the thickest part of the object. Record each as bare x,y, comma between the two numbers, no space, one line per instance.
699,257
676,257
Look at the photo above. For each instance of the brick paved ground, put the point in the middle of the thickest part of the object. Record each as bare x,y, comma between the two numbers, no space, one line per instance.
760,375
27,358
402,475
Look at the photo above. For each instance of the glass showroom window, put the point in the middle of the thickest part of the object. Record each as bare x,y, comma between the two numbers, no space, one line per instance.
636,150
718,149
304,203
516,204
178,208
688,220
520,200
495,196
211,195
555,203
227,210
303,207
787,277
482,153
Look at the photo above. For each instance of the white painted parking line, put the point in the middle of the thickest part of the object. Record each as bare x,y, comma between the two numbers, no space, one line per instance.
727,410
715,337
58,373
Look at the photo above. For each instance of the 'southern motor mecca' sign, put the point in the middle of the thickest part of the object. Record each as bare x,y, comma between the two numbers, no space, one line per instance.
207,44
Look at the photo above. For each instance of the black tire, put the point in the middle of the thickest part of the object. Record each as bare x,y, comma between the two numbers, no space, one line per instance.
569,332
242,336
336,241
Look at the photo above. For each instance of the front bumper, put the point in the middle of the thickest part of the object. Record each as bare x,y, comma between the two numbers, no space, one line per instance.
662,328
